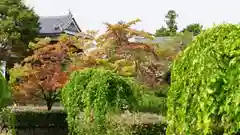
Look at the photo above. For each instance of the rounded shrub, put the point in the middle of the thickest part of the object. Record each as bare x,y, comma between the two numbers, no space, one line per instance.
204,97
95,92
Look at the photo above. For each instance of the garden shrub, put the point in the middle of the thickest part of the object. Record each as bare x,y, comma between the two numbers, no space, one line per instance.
31,119
138,129
6,116
149,102
5,93
39,118
96,92
205,84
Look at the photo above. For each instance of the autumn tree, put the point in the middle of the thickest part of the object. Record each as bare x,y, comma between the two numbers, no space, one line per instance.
45,72
115,52
171,29
18,26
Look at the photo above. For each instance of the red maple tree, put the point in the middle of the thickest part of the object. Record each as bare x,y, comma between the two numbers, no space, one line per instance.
47,71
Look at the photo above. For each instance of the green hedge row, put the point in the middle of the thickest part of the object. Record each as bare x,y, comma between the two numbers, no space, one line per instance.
56,119
44,119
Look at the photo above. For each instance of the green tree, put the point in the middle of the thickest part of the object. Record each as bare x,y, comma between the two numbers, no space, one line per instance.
18,26
170,20
162,32
204,95
98,93
195,28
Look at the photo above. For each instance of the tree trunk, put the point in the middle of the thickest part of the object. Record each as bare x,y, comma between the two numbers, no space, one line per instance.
49,104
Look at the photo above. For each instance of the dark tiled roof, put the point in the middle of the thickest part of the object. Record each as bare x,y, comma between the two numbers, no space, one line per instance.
54,24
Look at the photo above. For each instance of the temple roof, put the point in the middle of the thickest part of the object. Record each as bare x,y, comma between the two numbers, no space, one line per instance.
58,24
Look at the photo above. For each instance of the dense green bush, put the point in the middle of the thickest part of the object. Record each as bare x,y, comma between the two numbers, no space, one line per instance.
31,119
96,92
45,119
205,85
5,93
149,102
6,116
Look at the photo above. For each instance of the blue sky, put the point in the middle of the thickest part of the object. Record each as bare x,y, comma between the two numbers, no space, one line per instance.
90,14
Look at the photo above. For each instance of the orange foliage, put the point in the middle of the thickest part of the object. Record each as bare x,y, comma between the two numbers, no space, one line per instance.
48,70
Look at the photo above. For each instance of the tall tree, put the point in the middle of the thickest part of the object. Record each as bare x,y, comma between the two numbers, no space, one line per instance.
194,28
170,20
18,26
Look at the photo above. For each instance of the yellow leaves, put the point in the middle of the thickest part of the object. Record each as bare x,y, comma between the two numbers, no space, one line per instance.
19,71
104,62
121,32
92,33
128,70
133,22
41,43
122,62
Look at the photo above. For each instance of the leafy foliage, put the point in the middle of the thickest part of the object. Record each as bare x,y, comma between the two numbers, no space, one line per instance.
6,116
5,93
116,53
195,28
97,92
18,26
171,23
162,32
42,74
204,93
7,121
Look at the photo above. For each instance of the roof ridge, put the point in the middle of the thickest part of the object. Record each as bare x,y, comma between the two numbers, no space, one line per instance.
54,16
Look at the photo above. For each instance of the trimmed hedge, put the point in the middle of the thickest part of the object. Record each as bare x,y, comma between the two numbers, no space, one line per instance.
57,119
40,119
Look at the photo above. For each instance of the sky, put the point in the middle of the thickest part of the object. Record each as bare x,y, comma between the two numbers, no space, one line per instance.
91,14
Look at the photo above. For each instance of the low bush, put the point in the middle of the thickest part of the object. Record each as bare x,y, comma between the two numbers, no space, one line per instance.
149,102
25,119
18,120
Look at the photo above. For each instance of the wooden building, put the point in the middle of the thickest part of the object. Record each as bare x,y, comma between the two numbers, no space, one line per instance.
54,26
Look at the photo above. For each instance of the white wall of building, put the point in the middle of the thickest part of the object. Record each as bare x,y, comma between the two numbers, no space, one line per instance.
3,67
